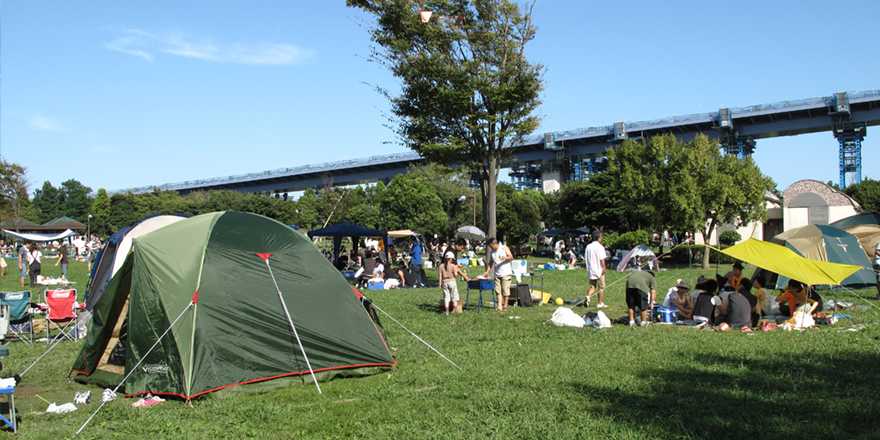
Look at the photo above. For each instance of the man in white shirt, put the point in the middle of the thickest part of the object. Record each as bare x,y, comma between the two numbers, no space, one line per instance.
557,251
595,261
500,258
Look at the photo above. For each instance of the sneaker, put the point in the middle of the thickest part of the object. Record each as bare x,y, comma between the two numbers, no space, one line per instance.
108,395
632,323
644,324
601,306
83,398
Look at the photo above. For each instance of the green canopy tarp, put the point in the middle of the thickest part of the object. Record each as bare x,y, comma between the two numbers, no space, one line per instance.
232,329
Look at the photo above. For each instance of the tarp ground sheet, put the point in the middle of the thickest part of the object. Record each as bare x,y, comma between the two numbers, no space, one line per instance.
236,332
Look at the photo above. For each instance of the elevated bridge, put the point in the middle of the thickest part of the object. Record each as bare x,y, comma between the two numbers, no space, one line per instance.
547,160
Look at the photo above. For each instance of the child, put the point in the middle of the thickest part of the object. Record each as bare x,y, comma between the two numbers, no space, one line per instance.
763,295
448,270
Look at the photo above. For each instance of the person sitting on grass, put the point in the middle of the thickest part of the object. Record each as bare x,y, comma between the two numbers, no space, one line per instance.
745,289
704,306
794,295
448,269
735,309
378,271
764,301
682,300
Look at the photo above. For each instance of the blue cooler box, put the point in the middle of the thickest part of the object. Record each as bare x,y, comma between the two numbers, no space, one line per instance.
481,284
668,314
376,286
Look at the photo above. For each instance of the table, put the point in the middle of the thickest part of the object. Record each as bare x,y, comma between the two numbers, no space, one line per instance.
11,420
481,285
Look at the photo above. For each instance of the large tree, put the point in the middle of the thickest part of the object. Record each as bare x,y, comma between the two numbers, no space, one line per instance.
596,203
688,186
48,201
467,90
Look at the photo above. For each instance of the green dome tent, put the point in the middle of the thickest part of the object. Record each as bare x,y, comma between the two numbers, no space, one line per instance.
219,285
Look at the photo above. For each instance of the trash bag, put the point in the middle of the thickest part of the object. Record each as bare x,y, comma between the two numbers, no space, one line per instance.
564,317
601,321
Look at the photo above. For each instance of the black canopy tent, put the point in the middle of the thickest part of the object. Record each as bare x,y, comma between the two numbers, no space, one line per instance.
346,229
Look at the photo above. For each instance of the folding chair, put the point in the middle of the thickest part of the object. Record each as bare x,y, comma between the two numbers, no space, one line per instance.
16,305
61,305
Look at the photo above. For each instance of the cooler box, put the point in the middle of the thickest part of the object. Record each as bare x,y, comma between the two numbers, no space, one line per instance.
668,314
376,286
481,284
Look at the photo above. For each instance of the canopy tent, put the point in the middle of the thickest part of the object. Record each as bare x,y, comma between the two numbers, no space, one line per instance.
470,233
827,243
638,251
65,222
21,224
786,262
32,236
224,300
346,229
868,236
402,233
871,218
112,256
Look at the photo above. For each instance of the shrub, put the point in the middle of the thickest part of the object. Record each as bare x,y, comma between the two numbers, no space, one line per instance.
680,256
729,238
628,240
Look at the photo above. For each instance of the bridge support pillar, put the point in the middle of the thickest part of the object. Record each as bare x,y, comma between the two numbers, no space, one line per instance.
850,138
552,180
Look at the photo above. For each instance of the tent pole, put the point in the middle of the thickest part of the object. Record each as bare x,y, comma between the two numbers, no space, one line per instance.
135,367
293,327
416,336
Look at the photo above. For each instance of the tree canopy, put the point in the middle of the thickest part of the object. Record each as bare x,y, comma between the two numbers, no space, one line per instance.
866,193
467,90
688,186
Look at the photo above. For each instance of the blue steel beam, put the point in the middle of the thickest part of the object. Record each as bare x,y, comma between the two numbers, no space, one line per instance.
786,118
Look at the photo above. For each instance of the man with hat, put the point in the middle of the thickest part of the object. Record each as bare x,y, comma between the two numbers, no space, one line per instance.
682,300
641,290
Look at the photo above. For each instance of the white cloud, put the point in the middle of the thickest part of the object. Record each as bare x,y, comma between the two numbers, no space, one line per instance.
145,44
46,123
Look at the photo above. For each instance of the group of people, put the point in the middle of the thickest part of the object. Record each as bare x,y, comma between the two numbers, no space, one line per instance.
29,257
498,264
394,272
740,303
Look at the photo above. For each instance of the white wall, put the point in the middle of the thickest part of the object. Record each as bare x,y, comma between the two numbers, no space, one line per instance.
836,213
551,181
795,218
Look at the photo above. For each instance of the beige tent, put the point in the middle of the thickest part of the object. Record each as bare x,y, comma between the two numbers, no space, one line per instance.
868,235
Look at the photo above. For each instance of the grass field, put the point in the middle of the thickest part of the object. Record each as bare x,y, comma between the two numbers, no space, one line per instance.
521,379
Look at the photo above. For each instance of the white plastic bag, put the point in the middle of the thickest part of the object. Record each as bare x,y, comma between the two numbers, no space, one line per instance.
601,321
391,284
60,409
564,317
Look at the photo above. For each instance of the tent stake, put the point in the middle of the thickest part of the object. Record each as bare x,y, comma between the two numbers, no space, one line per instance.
293,327
134,368
416,336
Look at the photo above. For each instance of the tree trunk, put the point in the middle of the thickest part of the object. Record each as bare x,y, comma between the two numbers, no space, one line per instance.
706,235
491,186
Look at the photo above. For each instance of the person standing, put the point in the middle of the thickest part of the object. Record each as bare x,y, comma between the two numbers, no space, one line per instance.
3,248
595,262
415,262
500,263
34,263
641,289
448,270
62,259
23,262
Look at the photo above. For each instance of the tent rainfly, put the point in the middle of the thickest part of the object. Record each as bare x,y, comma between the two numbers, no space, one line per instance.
227,301
346,229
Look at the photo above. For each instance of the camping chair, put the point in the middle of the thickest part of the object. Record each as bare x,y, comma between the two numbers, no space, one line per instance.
16,308
61,306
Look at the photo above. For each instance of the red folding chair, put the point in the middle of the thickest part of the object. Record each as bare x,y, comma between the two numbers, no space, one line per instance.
61,309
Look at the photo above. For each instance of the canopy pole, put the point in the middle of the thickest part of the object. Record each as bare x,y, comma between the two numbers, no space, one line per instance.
135,367
293,327
57,340
416,336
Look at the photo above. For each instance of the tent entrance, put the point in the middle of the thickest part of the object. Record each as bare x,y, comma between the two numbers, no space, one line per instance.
113,358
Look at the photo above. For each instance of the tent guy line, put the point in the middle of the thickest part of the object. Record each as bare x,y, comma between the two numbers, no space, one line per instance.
138,364
265,257
416,336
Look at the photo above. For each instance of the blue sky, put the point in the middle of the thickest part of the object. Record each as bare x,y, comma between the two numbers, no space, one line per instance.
123,94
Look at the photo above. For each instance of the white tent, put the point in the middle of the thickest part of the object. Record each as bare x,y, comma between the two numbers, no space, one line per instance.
40,237
638,251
